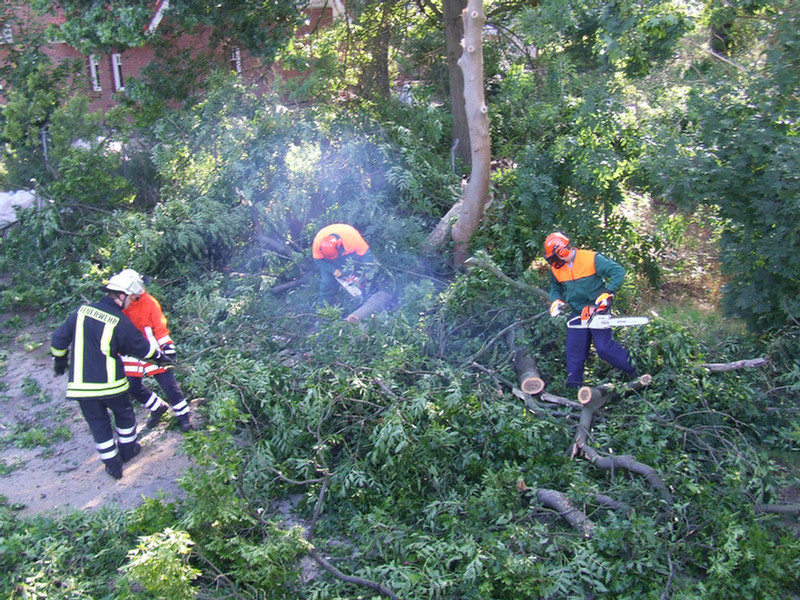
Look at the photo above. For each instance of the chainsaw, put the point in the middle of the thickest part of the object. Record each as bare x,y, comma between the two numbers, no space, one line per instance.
591,319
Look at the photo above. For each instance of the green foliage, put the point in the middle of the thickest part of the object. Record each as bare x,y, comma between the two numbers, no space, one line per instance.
160,565
738,152
260,27
74,556
396,445
94,26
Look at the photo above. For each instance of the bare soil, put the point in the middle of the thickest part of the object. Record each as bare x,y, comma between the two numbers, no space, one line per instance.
49,463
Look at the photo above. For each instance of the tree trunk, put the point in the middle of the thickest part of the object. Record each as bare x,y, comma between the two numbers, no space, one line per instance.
375,303
374,79
453,33
471,63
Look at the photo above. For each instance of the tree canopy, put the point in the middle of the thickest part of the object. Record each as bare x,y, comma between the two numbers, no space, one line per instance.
660,134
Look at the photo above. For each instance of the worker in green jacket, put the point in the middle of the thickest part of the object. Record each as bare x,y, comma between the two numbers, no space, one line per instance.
581,279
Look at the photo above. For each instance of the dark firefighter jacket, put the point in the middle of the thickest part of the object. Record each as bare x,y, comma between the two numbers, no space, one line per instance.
98,333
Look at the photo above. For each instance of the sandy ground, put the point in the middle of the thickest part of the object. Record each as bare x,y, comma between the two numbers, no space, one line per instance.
62,471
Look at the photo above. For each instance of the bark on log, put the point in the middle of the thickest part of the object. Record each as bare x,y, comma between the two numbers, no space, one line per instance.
561,504
589,396
530,381
547,397
594,398
739,364
475,261
375,303
631,464
609,502
778,509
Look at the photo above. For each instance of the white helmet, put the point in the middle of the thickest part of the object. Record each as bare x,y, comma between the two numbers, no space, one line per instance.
127,281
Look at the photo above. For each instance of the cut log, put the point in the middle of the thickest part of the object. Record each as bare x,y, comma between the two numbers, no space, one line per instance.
530,381
374,304
739,364
561,504
594,398
608,391
631,464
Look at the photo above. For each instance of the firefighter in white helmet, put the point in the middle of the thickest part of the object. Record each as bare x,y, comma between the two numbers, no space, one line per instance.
97,334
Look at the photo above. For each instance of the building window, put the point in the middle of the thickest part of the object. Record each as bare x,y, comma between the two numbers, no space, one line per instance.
6,35
94,72
236,59
116,68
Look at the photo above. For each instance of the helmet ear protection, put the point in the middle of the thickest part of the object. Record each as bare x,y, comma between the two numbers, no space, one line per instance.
330,245
562,251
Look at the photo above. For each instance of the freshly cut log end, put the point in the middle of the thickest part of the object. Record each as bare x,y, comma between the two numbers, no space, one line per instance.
646,379
532,385
585,394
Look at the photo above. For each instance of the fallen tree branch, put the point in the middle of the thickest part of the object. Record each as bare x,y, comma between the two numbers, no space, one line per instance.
548,397
628,463
563,506
739,364
609,502
503,332
778,509
593,398
312,551
475,261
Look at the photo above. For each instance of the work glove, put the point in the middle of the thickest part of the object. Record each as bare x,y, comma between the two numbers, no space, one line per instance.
169,351
60,364
556,307
603,302
161,359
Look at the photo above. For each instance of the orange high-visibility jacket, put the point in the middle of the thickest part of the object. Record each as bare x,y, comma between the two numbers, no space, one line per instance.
146,314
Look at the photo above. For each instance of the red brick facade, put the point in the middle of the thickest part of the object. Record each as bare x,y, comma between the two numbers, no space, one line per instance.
104,75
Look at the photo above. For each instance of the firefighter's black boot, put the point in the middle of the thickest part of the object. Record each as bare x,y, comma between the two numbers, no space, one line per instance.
114,466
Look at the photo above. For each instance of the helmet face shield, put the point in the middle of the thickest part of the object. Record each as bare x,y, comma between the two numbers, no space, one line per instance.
555,261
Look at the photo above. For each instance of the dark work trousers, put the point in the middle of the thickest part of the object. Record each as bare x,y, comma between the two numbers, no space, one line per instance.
578,345
150,399
96,413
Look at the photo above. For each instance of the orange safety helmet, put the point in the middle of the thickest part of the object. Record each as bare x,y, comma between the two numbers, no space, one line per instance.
329,246
556,247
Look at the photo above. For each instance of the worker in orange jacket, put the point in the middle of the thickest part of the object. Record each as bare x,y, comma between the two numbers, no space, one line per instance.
343,259
145,312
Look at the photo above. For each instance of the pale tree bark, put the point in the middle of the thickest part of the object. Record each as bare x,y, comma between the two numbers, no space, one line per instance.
475,195
453,33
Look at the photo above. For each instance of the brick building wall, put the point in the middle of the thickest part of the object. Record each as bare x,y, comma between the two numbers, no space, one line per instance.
104,75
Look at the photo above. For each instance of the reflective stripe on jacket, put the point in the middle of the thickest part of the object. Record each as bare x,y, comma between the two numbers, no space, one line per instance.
146,313
97,334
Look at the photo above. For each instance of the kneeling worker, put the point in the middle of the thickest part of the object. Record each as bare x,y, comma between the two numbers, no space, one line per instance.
343,258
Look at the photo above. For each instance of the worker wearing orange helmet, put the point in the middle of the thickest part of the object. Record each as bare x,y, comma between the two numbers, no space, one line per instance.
343,259
581,279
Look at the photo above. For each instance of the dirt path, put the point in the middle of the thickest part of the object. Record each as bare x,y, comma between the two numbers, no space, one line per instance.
49,464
